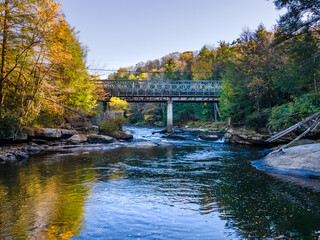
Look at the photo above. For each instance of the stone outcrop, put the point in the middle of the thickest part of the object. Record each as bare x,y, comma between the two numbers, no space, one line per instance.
250,137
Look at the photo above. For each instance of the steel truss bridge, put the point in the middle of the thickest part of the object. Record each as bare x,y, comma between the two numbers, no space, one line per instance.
164,91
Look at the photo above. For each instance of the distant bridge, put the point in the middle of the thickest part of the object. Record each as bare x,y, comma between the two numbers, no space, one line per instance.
164,91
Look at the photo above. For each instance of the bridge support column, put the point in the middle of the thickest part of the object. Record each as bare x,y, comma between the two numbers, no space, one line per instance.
169,116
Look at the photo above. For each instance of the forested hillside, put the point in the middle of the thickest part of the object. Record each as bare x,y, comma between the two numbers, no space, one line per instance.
269,77
43,76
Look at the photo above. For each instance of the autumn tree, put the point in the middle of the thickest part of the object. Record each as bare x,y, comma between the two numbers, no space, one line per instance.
42,65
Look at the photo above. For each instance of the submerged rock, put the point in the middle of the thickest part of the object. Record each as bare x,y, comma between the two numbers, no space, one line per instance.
209,137
174,136
141,145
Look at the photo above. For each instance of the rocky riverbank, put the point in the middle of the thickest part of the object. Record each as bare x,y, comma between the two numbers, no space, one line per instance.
51,139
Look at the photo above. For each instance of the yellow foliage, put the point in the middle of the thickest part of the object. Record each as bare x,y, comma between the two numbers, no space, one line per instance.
148,117
116,104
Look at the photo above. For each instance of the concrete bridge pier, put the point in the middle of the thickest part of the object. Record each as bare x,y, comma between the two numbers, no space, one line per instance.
169,116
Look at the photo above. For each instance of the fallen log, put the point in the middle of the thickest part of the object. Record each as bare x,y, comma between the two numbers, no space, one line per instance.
294,127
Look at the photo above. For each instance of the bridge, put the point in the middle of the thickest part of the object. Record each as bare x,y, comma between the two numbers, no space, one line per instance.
168,91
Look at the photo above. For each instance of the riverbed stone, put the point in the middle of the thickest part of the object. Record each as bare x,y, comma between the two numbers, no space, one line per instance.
94,138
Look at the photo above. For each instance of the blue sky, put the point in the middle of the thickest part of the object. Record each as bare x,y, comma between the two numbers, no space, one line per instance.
125,32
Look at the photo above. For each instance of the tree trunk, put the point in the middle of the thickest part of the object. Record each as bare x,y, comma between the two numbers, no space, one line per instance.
3,52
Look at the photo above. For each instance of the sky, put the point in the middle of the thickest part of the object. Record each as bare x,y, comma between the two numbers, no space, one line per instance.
120,33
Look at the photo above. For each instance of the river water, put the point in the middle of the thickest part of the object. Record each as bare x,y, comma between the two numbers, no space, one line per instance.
193,189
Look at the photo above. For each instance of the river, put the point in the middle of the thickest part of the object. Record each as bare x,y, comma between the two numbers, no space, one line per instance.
193,189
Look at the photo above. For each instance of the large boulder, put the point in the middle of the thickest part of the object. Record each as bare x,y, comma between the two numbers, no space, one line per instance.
76,139
52,133
94,138
303,160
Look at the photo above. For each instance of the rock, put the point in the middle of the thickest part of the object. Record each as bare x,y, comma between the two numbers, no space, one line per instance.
174,136
142,145
66,133
122,135
301,160
53,133
11,157
76,139
247,137
21,136
39,141
34,149
209,137
55,143
94,138
22,155
164,144
47,133
93,129
160,131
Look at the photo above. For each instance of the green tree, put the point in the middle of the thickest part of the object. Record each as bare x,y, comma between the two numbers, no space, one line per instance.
301,16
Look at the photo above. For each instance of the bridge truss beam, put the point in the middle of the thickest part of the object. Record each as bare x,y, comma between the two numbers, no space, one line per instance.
164,91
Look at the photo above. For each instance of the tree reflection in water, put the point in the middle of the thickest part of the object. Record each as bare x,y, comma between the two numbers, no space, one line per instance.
47,196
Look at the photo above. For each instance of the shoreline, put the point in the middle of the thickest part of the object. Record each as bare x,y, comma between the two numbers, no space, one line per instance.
19,153
285,163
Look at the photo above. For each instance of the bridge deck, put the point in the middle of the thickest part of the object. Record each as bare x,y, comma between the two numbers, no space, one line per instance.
163,90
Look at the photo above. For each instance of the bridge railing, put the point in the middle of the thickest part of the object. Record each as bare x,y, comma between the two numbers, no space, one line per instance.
162,88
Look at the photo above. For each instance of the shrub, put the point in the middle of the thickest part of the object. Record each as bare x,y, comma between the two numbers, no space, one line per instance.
8,125
288,114
109,126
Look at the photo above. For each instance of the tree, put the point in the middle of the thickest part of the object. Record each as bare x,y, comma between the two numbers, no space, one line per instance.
43,65
202,68
301,16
